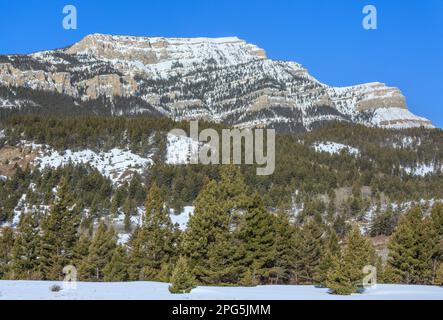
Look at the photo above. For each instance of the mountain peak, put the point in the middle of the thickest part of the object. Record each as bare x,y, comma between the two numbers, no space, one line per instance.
218,79
154,50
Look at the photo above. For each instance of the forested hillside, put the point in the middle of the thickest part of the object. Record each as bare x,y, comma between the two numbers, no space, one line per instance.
338,192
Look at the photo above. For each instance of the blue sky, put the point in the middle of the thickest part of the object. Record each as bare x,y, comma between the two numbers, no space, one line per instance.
326,36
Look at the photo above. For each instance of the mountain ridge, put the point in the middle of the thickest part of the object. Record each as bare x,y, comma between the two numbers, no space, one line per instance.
225,80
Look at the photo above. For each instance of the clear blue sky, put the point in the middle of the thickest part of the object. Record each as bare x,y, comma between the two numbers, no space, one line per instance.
326,36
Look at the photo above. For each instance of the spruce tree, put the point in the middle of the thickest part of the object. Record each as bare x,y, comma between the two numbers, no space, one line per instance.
218,212
223,261
6,246
182,280
60,232
25,252
309,252
207,221
337,279
383,223
346,275
81,250
117,268
437,226
257,232
128,211
155,240
357,254
100,254
330,250
439,275
411,249
284,248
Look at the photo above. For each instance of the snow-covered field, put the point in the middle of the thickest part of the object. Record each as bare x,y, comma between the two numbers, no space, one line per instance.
40,290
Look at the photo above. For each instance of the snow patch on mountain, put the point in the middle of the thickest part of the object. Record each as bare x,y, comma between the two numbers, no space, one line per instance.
116,164
335,148
398,118
423,169
180,149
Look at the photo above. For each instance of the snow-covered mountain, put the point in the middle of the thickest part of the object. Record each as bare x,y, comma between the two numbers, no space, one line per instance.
225,80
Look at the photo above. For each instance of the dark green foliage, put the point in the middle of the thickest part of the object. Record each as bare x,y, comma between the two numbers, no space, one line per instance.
308,252
117,268
411,250
182,280
6,247
101,251
258,235
217,214
285,259
439,275
346,274
154,244
25,252
330,251
383,223
59,234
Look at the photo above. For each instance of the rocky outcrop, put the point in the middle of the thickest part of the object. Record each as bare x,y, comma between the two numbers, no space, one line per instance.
222,79
38,79
108,85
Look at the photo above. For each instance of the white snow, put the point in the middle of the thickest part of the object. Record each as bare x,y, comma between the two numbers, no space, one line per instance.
422,169
114,164
398,118
183,218
40,290
335,148
136,220
180,149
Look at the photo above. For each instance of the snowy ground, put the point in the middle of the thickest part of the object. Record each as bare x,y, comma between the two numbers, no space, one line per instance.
335,148
114,164
40,290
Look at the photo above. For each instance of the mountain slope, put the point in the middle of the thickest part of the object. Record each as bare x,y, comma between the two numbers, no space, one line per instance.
225,80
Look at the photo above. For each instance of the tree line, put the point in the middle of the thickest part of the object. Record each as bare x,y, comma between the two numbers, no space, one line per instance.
231,239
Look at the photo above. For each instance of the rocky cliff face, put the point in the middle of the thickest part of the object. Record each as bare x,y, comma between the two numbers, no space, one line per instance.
224,80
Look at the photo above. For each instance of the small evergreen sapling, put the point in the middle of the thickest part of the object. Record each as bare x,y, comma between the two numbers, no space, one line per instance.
183,280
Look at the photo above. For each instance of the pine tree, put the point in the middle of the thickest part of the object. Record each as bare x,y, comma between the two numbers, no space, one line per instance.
128,210
155,239
346,275
207,221
358,253
437,226
309,252
117,268
182,280
439,275
411,249
6,246
60,232
25,252
337,279
218,211
223,261
383,223
284,248
81,250
330,251
100,254
136,254
257,232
